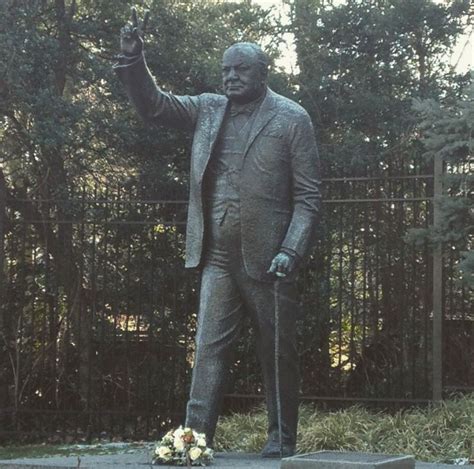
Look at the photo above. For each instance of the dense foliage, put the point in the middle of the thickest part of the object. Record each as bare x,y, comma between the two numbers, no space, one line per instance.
361,64
447,130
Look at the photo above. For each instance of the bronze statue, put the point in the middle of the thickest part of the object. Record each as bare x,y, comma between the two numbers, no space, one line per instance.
254,201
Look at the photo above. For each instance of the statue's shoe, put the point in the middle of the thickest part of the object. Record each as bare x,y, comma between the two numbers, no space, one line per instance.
272,450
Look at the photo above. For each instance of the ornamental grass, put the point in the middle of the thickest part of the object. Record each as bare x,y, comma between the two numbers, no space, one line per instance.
440,433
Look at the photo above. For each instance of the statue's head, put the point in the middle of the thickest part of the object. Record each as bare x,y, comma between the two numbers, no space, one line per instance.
244,72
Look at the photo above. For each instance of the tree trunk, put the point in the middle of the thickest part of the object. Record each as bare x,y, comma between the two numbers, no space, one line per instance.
3,196
66,258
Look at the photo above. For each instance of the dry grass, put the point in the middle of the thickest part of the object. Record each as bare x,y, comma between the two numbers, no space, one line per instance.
438,433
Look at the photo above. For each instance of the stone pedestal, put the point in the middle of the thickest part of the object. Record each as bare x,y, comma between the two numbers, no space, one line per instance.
347,460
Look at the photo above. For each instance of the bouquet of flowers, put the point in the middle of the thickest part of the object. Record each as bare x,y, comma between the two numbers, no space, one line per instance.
183,447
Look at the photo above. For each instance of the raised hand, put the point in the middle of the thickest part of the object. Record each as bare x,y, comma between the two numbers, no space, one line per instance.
131,35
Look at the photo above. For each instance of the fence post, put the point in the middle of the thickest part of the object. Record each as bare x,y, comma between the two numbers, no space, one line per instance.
437,341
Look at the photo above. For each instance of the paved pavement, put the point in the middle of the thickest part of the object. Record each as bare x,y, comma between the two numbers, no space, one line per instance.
138,460
141,459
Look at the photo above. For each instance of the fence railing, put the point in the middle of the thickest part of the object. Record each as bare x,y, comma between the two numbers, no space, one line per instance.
98,313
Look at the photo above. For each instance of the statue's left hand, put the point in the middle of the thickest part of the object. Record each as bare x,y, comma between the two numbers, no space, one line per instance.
282,264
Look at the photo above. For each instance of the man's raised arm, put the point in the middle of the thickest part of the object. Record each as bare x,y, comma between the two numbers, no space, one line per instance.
152,104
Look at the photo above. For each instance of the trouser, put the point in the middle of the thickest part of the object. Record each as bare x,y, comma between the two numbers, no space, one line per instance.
227,293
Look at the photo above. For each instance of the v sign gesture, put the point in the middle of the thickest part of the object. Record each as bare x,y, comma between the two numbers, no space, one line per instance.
131,35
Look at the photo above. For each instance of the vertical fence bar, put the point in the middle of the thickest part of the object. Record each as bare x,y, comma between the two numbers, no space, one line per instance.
3,203
437,341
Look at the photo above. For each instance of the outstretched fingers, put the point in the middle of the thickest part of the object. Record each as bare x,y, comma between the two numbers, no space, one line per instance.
134,18
145,21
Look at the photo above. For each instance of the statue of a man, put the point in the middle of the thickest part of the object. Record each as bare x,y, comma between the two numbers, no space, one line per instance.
254,201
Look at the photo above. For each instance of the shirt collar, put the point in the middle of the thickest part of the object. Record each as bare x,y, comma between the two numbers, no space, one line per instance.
247,108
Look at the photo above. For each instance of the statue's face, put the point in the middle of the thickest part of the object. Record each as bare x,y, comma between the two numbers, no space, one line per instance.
242,76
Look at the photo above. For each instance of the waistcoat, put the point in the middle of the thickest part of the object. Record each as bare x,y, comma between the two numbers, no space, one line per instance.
222,181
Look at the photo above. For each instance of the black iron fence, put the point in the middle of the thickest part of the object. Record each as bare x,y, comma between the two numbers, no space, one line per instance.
98,314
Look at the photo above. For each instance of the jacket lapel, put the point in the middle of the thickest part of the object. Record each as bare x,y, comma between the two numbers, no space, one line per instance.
266,113
216,123
215,119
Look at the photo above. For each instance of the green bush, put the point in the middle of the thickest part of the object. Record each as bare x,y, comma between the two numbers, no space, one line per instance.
437,433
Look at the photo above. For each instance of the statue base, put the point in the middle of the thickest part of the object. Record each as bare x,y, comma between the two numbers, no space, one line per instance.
347,460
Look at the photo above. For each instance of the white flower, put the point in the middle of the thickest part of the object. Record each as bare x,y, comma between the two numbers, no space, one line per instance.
201,441
178,444
178,433
194,453
163,452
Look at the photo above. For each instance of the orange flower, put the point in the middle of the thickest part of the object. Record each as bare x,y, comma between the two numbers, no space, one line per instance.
188,436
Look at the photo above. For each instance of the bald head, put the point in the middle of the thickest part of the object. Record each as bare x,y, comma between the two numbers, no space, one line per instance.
252,50
244,72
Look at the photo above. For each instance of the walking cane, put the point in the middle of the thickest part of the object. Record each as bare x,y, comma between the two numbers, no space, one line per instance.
276,295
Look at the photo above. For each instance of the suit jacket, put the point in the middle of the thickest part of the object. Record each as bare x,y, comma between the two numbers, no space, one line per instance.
280,197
